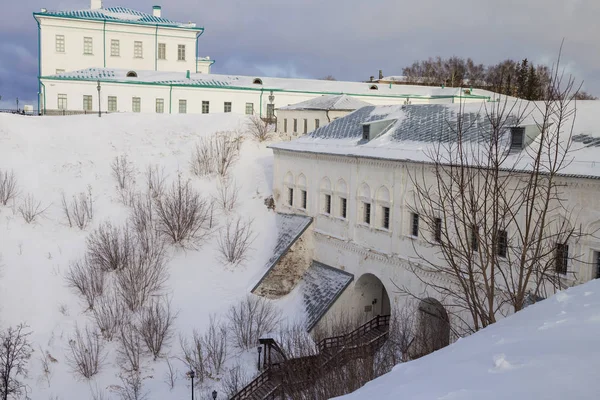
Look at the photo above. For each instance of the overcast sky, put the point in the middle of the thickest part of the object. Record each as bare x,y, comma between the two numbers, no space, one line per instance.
349,39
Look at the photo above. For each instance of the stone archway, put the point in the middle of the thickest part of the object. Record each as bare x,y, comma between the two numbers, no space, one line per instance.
371,297
433,328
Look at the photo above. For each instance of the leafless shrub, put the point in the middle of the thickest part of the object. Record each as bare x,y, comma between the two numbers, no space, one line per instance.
123,172
170,375
234,380
128,196
156,325
155,180
202,162
86,353
8,186
182,215
97,393
215,154
30,209
250,319
226,152
110,314
81,209
215,346
258,129
87,280
235,239
130,349
131,387
15,352
46,361
110,248
193,355
143,221
227,194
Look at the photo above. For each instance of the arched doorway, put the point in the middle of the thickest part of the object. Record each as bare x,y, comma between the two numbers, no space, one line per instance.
433,328
371,298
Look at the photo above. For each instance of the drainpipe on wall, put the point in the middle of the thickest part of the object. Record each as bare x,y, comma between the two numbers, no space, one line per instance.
39,63
197,51
170,97
44,98
104,42
156,49
260,103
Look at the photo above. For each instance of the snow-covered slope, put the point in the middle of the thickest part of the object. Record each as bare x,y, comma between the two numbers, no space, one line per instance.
51,155
547,351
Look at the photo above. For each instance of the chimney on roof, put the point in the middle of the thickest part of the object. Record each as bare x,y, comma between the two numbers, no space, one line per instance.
96,4
156,11
380,74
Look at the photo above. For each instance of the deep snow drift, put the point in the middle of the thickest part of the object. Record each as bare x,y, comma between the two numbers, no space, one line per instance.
52,155
547,351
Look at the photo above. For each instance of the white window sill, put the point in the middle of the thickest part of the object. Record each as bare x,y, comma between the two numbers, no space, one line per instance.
88,54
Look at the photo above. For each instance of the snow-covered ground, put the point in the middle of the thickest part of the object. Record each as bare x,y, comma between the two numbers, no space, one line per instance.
52,155
547,351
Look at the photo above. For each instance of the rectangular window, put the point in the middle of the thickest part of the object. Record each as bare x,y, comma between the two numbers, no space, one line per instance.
88,47
437,230
249,108
561,257
343,207
182,106
517,136
270,111
205,107
305,126
112,103
162,51
138,50
160,106
181,52
60,71
60,43
227,107
414,224
290,196
295,125
597,264
474,238
115,48
87,102
317,123
385,214
367,213
327,204
285,125
136,104
62,102
303,197
502,243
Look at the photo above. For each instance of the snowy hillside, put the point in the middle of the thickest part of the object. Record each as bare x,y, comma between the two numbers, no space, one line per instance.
55,155
547,351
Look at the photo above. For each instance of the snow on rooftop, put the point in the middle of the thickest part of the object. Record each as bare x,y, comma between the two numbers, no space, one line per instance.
329,103
547,351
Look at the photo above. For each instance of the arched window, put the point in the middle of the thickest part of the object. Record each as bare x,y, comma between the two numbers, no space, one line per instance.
288,184
302,188
132,74
364,204
373,87
384,207
341,190
257,81
325,195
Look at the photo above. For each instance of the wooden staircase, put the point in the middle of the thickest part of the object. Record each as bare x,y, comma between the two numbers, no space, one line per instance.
333,352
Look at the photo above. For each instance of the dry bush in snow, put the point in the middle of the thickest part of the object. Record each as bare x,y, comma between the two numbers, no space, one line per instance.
234,380
129,352
215,154
155,180
8,186
156,325
15,352
235,239
182,215
123,172
227,194
30,209
81,209
86,353
215,346
98,393
193,355
250,319
110,248
131,387
258,129
110,314
87,280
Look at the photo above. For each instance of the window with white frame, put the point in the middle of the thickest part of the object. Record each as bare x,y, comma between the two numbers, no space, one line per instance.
227,107
87,102
182,106
136,104
341,190
302,187
328,204
160,106
115,48
303,199
317,123
205,107
62,102
60,43
290,196
343,207
326,196
162,51
59,71
366,213
181,52
249,108
383,199
288,184
414,224
138,49
305,126
385,217
112,103
285,125
364,200
295,125
88,46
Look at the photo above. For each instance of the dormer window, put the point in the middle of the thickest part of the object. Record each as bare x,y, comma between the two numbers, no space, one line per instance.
373,87
257,81
366,132
517,138
132,74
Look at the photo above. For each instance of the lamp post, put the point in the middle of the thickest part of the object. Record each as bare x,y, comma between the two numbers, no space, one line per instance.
17,104
100,115
214,394
259,348
192,375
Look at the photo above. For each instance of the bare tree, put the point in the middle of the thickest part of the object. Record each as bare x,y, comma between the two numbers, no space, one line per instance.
234,380
258,129
130,349
81,209
87,280
156,325
250,319
110,314
215,154
235,239
30,209
193,355
110,248
215,346
495,215
227,194
131,387
86,353
123,172
171,374
15,352
8,186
